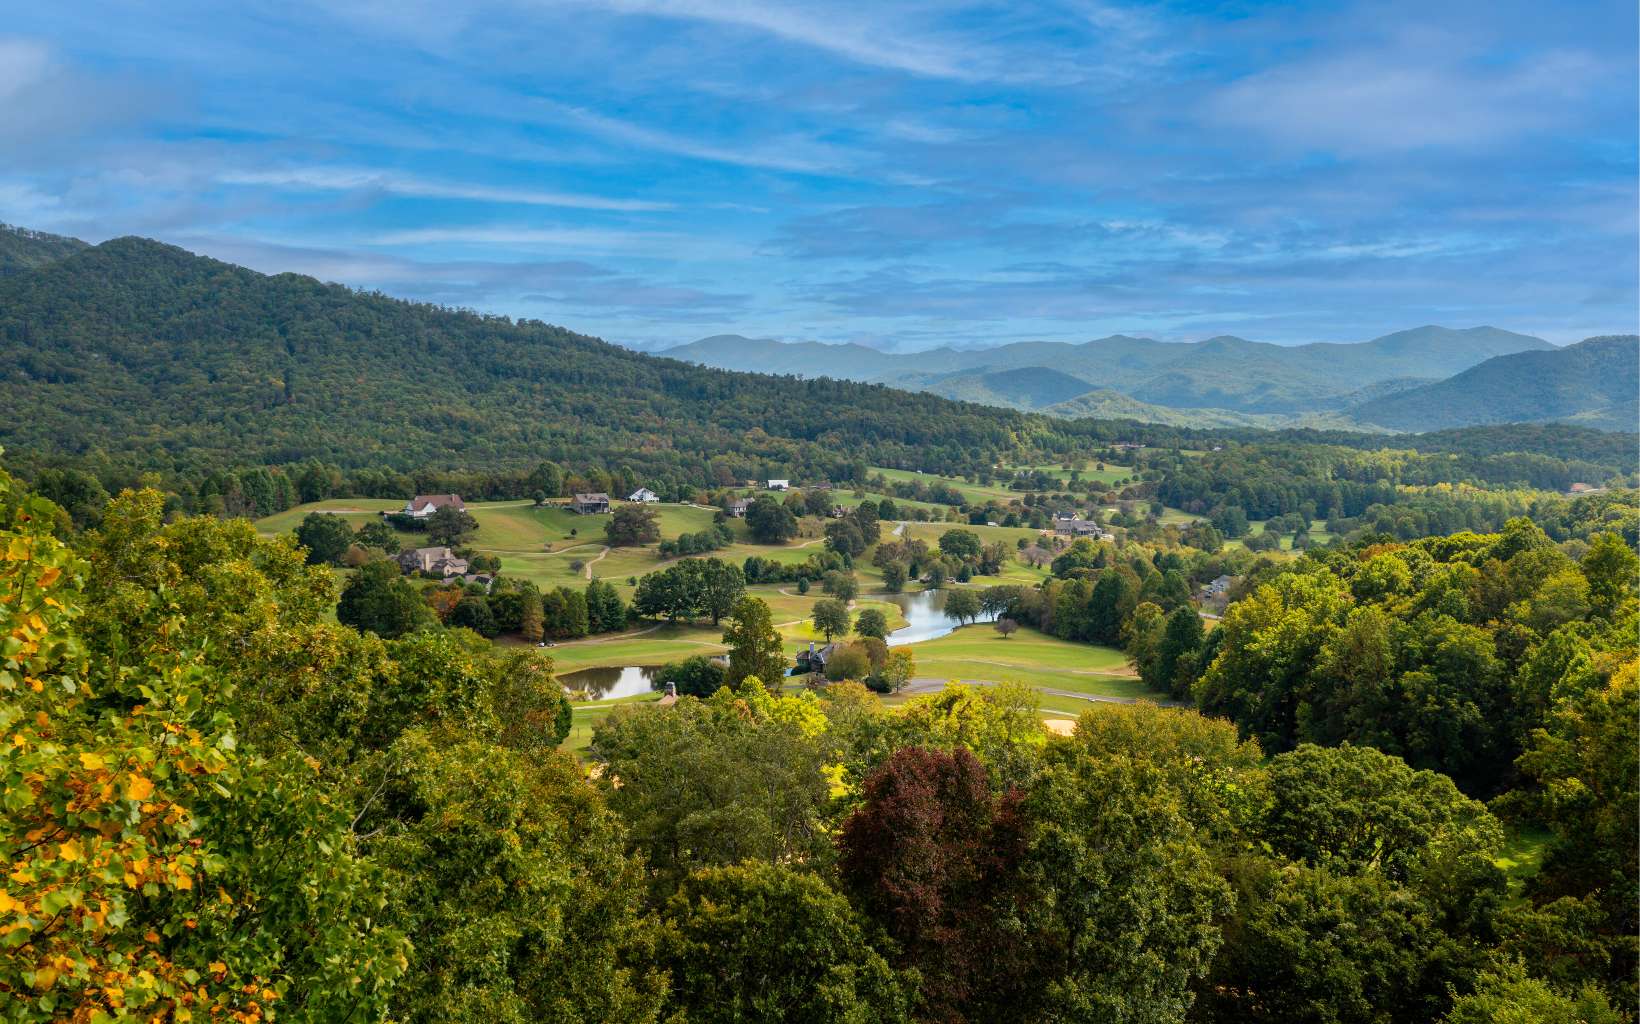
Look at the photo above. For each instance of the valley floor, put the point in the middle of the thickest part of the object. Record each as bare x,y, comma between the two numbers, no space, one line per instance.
552,547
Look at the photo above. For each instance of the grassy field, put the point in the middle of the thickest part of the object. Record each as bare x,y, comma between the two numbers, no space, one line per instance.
975,493
1318,534
1010,536
587,716
1177,517
1030,657
648,646
1522,856
356,511
540,544
1109,475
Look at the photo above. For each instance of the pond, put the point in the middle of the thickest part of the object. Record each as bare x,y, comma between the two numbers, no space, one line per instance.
611,683
926,618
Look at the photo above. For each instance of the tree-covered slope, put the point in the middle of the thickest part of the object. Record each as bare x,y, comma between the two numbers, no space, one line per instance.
1025,387
1593,383
158,356
22,249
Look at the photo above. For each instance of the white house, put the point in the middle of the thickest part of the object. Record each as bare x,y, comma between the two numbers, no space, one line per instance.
424,505
779,485
643,494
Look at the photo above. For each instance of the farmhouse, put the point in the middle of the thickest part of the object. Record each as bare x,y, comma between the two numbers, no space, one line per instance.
643,494
814,659
1079,528
590,504
1217,586
424,505
738,507
779,485
432,561
1581,488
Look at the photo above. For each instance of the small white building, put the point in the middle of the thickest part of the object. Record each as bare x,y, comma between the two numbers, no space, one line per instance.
779,485
424,505
643,494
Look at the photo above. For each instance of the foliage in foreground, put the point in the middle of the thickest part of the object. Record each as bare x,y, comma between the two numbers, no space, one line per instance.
221,806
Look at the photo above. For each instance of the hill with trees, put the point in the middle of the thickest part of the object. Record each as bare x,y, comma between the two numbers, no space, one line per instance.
1593,383
135,352
22,249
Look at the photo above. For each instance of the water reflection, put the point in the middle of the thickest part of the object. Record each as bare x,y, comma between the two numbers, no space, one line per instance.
926,618
610,683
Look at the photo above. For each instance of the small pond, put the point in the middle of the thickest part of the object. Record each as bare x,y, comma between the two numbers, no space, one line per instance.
926,618
610,683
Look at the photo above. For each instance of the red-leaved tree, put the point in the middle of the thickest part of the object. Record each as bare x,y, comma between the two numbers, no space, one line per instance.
932,856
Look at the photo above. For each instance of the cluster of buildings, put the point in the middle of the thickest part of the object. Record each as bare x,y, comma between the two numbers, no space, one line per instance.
438,562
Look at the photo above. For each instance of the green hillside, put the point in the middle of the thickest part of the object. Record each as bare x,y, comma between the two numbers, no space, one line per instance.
1592,383
144,353
22,249
1025,387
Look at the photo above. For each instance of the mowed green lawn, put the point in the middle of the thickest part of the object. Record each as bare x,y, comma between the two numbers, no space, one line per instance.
1030,657
1109,475
356,511
1010,536
975,493
656,646
540,544
1318,534
585,718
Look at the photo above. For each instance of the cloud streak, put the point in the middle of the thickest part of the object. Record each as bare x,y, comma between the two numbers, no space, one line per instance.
353,179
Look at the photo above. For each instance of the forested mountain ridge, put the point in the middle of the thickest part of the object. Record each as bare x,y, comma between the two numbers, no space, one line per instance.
1224,373
143,350
22,249
1593,383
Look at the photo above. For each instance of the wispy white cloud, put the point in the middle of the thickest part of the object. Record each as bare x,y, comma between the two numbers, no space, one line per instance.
351,179
856,34
1366,103
22,63
660,245
576,238
795,153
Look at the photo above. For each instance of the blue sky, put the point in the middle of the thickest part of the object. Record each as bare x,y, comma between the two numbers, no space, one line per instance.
898,174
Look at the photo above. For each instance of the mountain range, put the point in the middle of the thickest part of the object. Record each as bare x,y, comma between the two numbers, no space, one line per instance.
1219,382
140,353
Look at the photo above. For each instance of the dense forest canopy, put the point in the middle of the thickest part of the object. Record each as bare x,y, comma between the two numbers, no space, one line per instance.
223,804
